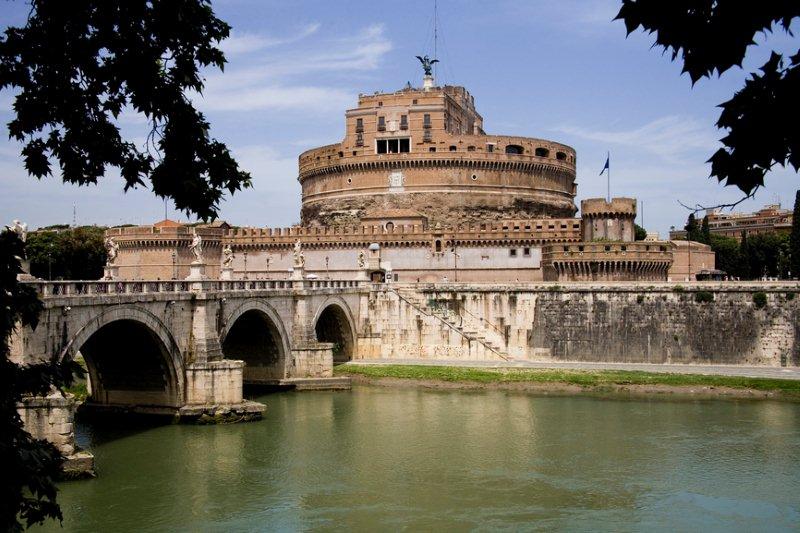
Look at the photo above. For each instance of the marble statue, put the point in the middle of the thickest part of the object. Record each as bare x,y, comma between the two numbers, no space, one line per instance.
299,260
112,251
227,256
196,247
20,228
362,260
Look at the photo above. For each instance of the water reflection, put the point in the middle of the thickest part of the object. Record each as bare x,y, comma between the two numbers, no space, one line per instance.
380,458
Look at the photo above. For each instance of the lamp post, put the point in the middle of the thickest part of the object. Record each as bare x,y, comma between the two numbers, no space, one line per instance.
245,265
174,266
50,262
455,262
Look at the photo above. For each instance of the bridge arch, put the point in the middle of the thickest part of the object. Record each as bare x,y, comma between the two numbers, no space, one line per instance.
131,357
253,332
334,323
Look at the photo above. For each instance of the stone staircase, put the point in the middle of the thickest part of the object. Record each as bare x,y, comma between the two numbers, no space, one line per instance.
471,330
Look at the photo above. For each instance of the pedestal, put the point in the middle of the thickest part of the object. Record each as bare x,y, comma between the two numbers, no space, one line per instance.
226,274
110,272
197,271
298,273
427,83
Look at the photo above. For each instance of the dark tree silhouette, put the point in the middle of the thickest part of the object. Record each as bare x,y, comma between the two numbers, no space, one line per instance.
74,67
711,36
794,239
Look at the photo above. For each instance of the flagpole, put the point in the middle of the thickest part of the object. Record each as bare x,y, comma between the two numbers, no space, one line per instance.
608,177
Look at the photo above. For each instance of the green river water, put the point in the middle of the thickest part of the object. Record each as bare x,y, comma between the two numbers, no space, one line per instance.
377,459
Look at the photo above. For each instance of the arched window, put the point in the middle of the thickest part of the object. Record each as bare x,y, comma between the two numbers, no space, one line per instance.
542,152
437,246
561,156
514,149
452,148
389,227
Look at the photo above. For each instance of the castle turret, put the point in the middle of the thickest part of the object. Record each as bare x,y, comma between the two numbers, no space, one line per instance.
612,221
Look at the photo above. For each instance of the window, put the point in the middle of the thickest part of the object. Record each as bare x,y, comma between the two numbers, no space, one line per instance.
426,120
470,148
561,156
437,246
403,122
542,152
359,125
359,139
512,252
474,177
355,152
397,277
432,149
393,146
414,101
389,227
381,123
490,148
341,154
452,148
380,104
514,149
349,180
526,252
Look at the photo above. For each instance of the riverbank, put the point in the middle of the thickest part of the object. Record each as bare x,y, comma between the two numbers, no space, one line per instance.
560,381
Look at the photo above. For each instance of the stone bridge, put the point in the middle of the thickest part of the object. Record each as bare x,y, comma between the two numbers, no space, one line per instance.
187,348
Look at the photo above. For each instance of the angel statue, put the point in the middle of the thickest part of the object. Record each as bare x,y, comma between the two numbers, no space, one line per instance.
227,256
299,260
112,251
427,64
20,228
196,247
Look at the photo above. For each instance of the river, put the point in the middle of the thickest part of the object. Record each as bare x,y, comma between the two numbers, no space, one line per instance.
387,458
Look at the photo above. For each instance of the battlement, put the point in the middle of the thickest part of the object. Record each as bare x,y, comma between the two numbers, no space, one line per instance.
599,207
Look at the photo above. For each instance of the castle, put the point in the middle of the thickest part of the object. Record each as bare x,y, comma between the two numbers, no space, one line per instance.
418,192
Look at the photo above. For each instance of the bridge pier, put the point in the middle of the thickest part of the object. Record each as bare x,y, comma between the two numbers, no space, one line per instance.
51,418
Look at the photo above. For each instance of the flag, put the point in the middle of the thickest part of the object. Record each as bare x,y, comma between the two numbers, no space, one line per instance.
606,167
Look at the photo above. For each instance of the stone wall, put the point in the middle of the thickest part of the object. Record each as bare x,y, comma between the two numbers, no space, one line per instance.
622,322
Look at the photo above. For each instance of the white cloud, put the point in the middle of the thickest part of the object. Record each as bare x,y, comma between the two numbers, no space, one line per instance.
244,43
264,85
667,137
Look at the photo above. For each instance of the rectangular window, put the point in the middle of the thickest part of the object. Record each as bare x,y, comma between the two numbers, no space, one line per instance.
381,123
512,252
526,252
490,148
393,146
403,122
426,120
359,125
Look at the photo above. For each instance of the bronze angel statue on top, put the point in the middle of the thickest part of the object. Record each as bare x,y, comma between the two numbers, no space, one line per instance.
427,64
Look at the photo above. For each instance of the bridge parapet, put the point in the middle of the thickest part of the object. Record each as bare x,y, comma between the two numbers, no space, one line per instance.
103,287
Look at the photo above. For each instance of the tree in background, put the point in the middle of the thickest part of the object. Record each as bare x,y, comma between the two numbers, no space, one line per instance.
705,231
67,254
728,255
794,245
692,229
639,232
711,36
74,67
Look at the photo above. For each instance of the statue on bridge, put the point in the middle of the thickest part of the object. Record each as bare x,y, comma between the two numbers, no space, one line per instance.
299,258
112,251
196,247
227,256
20,228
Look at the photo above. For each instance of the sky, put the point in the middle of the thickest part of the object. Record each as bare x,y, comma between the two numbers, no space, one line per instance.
554,69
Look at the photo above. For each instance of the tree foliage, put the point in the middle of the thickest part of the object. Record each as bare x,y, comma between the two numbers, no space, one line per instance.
27,490
692,229
639,232
77,65
711,36
67,254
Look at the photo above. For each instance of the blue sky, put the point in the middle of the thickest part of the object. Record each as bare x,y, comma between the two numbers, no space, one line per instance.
557,69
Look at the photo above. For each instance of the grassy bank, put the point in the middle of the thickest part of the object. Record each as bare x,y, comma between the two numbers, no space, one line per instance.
600,380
